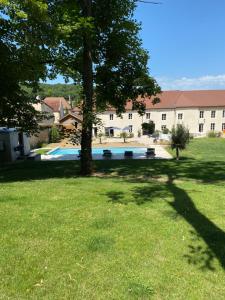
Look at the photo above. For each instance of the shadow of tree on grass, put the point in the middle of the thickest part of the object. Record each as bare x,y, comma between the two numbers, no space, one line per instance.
203,228
143,171
204,171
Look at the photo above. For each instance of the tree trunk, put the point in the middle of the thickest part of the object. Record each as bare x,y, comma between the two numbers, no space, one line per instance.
86,136
177,153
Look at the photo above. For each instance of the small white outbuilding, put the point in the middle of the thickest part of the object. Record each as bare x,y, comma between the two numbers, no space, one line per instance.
13,144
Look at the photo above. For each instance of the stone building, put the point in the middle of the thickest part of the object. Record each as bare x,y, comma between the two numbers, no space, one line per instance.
200,111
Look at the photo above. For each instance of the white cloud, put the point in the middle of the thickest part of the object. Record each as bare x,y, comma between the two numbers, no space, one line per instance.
198,83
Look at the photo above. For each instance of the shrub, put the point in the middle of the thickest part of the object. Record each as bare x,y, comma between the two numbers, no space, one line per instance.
148,128
131,135
156,134
165,131
41,144
54,135
213,134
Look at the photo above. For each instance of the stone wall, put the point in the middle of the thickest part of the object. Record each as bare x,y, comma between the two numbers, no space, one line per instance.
39,138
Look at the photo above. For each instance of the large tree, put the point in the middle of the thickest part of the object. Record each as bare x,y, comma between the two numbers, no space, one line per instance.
100,48
23,56
94,42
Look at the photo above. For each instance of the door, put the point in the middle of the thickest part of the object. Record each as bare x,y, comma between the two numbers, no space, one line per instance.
111,132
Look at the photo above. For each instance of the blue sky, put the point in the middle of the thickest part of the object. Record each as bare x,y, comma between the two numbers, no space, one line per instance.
186,42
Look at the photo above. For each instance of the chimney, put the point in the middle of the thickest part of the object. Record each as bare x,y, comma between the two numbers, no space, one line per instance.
70,102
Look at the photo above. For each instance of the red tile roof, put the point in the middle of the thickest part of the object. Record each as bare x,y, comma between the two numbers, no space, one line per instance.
185,99
55,102
169,100
76,109
71,116
46,104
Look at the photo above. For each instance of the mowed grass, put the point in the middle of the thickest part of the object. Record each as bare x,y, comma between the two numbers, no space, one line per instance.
206,149
42,151
135,230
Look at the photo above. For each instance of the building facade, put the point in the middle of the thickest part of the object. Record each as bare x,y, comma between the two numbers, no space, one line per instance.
199,111
42,136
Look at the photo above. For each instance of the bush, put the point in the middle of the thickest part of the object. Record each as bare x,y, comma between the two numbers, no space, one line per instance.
213,134
148,128
156,134
41,144
54,135
165,131
131,135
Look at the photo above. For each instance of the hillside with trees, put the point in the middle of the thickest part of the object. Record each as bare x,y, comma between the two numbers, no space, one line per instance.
68,91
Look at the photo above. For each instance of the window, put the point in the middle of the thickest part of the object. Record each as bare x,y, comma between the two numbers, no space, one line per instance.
148,116
212,127
130,116
213,114
111,117
223,113
223,126
130,128
163,127
201,115
164,117
180,116
201,127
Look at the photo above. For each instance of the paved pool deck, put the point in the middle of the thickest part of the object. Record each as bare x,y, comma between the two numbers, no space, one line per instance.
160,152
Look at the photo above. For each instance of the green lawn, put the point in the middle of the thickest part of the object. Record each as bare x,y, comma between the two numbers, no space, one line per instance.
205,149
42,151
136,230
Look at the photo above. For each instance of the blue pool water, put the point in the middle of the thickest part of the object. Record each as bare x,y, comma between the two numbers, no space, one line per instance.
114,150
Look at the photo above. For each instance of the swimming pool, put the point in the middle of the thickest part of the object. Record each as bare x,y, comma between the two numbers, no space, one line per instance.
114,150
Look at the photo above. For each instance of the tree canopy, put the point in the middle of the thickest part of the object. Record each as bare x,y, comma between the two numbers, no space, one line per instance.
101,50
180,137
22,61
119,63
95,43
68,91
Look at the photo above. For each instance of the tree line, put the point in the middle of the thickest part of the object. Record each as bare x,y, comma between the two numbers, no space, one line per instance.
70,92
